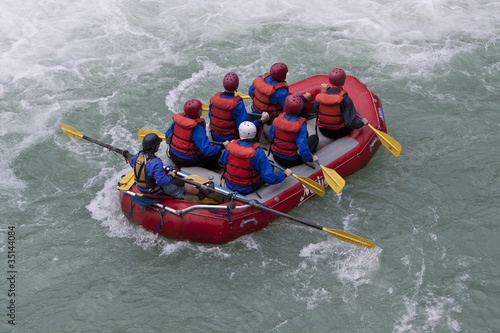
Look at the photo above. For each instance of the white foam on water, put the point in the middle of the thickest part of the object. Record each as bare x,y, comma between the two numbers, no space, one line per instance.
23,130
187,89
249,242
426,307
351,265
105,207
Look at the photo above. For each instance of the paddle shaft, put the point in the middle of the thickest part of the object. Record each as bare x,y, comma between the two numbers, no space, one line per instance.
102,144
277,166
339,234
251,203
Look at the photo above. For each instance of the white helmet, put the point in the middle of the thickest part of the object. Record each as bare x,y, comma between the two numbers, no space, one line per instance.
247,130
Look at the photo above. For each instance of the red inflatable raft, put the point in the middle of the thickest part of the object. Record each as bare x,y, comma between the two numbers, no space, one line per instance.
212,221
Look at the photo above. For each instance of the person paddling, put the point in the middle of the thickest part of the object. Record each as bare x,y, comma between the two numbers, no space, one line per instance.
268,93
188,140
291,145
150,176
336,112
247,167
227,111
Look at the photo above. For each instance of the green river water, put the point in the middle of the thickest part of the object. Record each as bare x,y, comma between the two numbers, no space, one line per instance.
109,68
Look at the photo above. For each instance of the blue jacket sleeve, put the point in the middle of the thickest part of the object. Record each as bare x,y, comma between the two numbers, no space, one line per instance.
224,156
251,90
280,95
272,132
132,160
240,114
261,164
169,131
201,140
301,141
155,169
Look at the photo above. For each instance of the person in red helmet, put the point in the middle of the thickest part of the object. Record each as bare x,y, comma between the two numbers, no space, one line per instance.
336,114
291,145
188,140
269,91
227,111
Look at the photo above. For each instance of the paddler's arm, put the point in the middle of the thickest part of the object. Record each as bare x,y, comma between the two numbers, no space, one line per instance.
279,96
349,113
155,167
169,131
301,141
201,140
272,132
224,156
128,158
261,164
240,114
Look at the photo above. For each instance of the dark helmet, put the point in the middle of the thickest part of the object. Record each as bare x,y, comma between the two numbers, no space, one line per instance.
293,104
278,71
150,140
230,81
192,108
337,77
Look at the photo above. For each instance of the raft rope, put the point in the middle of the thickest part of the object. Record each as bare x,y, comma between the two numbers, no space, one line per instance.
263,212
228,213
161,219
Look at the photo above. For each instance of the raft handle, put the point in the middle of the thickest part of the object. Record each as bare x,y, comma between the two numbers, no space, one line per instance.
375,140
253,219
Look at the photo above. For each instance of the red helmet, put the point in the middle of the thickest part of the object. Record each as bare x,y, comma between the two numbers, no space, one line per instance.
293,104
278,71
337,77
193,108
231,81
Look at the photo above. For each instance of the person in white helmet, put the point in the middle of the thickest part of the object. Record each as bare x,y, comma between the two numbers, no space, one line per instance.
246,164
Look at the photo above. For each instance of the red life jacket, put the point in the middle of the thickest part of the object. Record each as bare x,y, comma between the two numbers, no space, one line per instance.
221,120
329,114
238,169
285,137
141,179
182,136
262,96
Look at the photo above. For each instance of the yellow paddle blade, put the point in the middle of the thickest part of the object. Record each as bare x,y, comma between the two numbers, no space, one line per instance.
334,180
143,132
243,96
204,109
388,142
71,132
350,238
311,185
126,182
